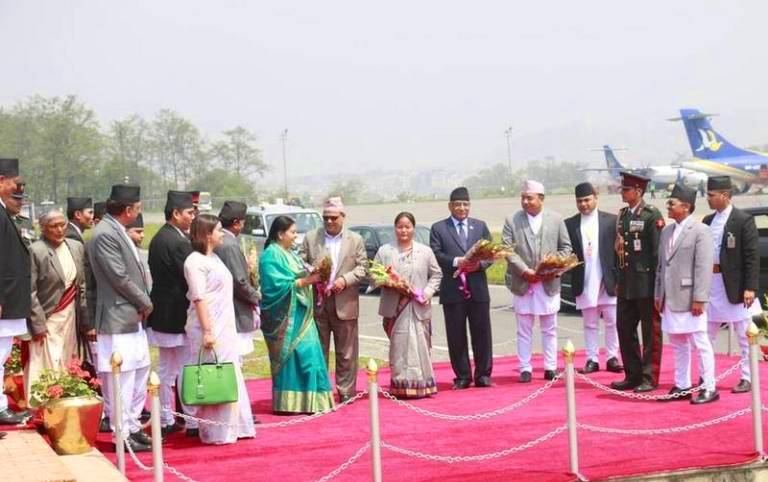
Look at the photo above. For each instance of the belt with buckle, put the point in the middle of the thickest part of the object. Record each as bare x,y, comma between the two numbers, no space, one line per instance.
716,268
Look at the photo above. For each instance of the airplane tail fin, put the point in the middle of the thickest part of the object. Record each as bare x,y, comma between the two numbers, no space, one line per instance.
705,142
610,159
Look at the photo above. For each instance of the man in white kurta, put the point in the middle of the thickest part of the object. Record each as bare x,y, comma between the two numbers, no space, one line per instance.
735,271
682,290
594,282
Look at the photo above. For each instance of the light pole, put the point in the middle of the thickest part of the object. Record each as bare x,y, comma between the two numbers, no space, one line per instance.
284,139
508,135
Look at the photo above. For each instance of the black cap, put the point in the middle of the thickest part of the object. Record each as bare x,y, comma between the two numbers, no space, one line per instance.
9,167
137,223
178,200
19,192
629,179
460,194
719,183
685,194
99,209
233,210
585,189
125,193
79,203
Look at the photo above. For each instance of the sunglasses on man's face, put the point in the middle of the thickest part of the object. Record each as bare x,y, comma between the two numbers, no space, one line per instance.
330,218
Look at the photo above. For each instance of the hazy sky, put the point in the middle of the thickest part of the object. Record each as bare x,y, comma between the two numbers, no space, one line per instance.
404,84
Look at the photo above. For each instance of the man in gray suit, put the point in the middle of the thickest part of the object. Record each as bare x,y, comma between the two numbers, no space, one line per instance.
534,232
683,278
122,308
246,293
58,298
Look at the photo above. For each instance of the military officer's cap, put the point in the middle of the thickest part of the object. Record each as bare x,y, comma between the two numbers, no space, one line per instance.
719,183
19,192
632,180
9,167
685,194
195,197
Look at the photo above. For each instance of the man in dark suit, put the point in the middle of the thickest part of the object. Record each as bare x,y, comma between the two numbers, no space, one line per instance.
245,291
80,215
593,235
450,239
167,253
736,268
16,287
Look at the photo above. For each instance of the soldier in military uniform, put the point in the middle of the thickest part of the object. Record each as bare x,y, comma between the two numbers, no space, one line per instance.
637,244
22,222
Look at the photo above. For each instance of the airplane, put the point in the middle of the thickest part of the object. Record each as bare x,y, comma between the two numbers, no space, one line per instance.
661,176
714,155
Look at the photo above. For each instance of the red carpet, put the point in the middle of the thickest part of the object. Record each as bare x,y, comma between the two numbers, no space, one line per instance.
310,450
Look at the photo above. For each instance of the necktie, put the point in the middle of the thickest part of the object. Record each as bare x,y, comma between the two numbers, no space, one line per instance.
462,235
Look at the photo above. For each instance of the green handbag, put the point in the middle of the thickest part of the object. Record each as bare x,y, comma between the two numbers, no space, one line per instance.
208,383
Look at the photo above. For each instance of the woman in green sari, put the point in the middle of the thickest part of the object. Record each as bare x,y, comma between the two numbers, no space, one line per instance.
300,382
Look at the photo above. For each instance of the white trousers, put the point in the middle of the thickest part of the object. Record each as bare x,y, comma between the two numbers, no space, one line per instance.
591,332
6,344
170,361
740,328
681,344
548,324
133,394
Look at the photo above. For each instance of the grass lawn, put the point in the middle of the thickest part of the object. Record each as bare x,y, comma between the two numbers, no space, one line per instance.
256,364
496,272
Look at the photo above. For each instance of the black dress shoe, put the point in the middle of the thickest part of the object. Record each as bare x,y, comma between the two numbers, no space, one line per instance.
169,429
744,386
137,446
706,396
343,397
590,367
645,387
7,417
192,432
673,391
550,374
613,365
459,384
104,425
483,382
525,377
141,438
145,415
624,385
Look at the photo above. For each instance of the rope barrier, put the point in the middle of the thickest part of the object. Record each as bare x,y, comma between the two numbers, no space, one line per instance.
451,459
664,431
644,396
341,468
479,416
166,466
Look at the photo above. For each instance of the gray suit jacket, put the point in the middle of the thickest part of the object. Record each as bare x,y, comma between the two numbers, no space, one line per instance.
528,252
246,295
684,273
426,275
48,284
120,280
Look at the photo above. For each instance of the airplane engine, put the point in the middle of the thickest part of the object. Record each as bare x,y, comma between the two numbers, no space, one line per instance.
694,179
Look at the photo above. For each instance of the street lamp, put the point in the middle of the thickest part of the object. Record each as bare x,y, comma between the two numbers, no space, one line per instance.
508,135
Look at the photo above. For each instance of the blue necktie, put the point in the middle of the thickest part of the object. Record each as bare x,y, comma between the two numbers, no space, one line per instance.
462,235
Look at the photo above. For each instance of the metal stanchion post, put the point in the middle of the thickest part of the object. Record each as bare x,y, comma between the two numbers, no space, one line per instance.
753,333
570,395
157,436
117,411
373,398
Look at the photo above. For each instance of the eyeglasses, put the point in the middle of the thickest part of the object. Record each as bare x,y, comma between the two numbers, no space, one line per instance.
330,218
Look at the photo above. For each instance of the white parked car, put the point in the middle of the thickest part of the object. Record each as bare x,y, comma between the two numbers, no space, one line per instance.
259,219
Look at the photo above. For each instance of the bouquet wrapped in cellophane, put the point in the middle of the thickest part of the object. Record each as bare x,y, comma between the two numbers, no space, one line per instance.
487,250
323,267
555,264
382,276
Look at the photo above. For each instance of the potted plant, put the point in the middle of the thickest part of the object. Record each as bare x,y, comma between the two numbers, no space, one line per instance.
13,383
69,407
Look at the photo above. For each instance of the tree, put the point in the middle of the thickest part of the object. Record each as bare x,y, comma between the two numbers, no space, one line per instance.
224,184
349,190
238,152
178,149
492,181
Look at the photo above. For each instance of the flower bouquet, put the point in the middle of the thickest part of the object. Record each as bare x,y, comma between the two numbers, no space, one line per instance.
482,250
323,267
382,276
13,364
555,264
